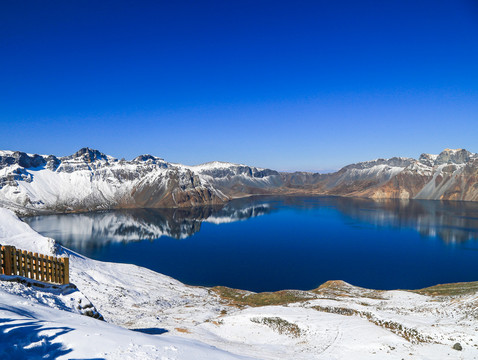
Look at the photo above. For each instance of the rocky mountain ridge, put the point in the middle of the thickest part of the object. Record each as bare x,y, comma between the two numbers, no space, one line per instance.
91,180
450,175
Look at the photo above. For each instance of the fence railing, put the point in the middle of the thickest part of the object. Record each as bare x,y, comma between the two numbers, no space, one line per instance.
34,266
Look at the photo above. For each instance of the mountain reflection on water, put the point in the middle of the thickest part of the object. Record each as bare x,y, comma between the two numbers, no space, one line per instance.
86,231
273,243
450,221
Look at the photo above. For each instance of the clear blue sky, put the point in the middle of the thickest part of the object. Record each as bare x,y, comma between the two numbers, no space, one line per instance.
281,84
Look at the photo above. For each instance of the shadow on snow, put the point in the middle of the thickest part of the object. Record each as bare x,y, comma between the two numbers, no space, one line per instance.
29,338
151,331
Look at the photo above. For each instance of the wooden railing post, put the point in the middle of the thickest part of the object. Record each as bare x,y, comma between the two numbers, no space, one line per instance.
57,270
9,252
15,259
35,267
53,270
48,268
42,267
20,262
51,266
66,270
24,264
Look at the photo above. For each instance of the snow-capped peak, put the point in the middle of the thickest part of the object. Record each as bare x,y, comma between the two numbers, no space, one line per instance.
392,162
147,157
217,165
89,155
453,156
427,159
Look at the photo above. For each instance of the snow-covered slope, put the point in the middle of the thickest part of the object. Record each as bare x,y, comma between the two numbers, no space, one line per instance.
335,321
35,331
18,233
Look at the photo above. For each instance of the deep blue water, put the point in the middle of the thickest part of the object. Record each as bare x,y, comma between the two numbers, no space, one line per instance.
273,243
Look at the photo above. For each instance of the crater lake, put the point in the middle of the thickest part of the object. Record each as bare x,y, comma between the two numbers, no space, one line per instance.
274,243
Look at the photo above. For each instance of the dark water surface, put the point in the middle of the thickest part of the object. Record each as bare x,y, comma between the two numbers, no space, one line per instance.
273,243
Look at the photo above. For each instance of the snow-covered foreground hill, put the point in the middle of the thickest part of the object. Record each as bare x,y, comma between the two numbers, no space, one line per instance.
33,331
176,321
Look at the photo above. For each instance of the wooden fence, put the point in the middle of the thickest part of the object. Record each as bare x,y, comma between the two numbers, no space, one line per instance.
33,266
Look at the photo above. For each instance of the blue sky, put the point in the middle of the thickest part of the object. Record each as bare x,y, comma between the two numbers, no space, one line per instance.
288,85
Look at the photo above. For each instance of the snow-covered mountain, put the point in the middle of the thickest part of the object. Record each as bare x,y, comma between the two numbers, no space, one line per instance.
450,175
91,180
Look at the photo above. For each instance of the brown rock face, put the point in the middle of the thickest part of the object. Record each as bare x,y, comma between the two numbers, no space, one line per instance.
181,190
405,185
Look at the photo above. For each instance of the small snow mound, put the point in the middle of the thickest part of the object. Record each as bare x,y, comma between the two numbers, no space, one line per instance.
15,232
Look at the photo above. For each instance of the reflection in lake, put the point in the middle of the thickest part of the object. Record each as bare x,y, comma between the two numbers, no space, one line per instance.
85,231
287,242
450,221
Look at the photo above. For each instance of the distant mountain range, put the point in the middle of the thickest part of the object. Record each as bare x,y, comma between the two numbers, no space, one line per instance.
91,180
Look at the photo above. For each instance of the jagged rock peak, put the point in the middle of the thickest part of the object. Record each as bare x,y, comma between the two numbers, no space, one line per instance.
147,157
22,159
427,159
394,162
453,156
89,155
